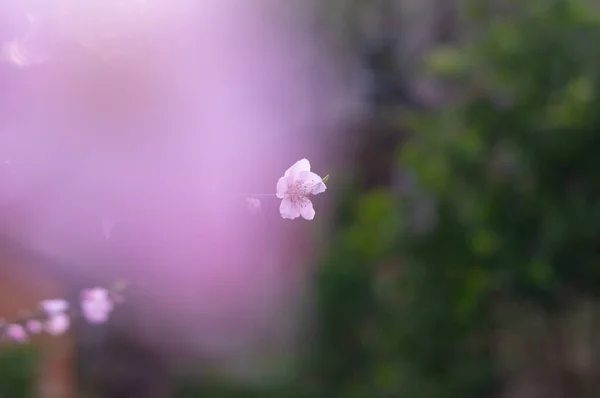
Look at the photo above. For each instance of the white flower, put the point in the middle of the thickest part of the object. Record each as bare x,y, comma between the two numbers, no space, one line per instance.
294,187
96,305
16,332
58,320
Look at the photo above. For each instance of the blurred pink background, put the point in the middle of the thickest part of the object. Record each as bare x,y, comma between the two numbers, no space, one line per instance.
127,129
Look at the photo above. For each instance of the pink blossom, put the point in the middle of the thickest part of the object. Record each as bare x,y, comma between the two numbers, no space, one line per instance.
96,305
54,306
57,324
294,187
16,332
58,320
34,326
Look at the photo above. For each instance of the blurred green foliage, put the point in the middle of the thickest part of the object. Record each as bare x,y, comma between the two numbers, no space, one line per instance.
511,166
18,371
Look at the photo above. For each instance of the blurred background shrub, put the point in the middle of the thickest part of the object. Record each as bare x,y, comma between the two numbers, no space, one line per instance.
18,371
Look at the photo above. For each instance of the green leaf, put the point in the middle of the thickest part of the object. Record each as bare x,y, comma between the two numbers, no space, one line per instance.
445,61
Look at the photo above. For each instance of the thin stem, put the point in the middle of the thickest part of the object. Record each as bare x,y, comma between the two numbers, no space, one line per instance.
256,194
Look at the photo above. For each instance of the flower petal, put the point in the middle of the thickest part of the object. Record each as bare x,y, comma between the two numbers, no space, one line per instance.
289,209
282,187
307,211
318,188
314,182
296,168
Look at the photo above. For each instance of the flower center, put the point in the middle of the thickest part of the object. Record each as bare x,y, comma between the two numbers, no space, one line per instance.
298,191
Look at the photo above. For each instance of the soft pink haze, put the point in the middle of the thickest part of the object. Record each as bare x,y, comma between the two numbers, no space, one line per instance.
125,143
